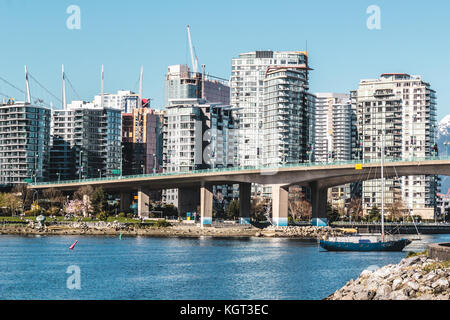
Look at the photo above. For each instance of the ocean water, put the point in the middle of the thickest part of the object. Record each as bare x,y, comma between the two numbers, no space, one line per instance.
180,268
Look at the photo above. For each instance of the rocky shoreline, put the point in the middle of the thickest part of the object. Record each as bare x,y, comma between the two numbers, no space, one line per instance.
176,230
415,278
308,232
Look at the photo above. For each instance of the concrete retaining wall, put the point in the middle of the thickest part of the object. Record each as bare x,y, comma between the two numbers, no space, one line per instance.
439,251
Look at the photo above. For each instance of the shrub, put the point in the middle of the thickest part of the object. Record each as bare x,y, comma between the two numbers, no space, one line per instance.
34,213
290,220
103,216
122,215
162,223
53,211
414,254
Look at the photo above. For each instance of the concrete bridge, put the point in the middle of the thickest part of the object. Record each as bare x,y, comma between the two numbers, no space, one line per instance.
317,176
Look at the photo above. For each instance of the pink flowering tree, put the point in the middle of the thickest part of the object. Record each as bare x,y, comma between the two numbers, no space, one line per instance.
77,208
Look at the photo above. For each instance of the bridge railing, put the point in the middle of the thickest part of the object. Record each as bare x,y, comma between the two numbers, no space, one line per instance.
245,168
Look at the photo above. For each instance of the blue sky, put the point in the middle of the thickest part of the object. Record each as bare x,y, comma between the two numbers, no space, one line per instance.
123,35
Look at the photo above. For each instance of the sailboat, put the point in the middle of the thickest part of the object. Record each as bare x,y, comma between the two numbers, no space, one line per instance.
361,242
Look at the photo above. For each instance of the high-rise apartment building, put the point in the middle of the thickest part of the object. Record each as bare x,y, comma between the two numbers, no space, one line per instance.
86,141
333,128
288,116
401,109
196,135
24,142
258,78
335,136
198,127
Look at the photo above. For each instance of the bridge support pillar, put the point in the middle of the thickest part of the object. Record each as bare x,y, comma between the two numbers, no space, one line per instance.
143,202
280,198
206,205
125,201
319,204
245,205
188,200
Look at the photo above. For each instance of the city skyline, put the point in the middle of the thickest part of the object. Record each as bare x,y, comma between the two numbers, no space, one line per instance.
142,34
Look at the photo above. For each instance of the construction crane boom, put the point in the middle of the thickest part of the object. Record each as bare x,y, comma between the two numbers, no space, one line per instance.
193,56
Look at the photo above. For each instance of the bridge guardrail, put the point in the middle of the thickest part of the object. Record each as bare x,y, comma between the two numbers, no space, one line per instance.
249,168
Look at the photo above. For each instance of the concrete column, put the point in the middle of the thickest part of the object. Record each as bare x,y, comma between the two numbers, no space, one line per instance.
206,205
280,198
188,200
245,205
319,197
125,201
143,202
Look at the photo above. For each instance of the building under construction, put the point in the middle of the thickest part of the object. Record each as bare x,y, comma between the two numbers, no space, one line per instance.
181,83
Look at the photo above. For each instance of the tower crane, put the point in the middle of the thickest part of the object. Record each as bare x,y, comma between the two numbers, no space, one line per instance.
193,56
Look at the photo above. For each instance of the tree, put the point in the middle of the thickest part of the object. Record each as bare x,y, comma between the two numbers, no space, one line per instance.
83,191
11,202
76,207
25,195
374,214
167,209
259,209
219,205
299,208
54,197
332,213
98,200
395,210
232,210
355,209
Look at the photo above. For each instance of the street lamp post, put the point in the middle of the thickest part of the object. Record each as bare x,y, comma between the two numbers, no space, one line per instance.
59,176
100,172
121,159
81,165
35,175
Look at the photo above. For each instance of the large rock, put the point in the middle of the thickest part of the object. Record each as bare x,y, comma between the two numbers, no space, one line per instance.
397,295
397,284
383,292
382,273
425,296
410,261
362,295
413,285
440,285
365,274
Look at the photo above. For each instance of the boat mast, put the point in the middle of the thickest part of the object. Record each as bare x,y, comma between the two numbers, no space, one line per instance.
382,180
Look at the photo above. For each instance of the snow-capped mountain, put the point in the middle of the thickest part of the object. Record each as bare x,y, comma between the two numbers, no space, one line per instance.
443,135
444,128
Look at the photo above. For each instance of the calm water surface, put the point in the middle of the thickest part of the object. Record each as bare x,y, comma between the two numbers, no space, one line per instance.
180,268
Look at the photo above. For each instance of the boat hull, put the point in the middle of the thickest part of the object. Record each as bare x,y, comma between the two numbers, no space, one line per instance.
397,245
